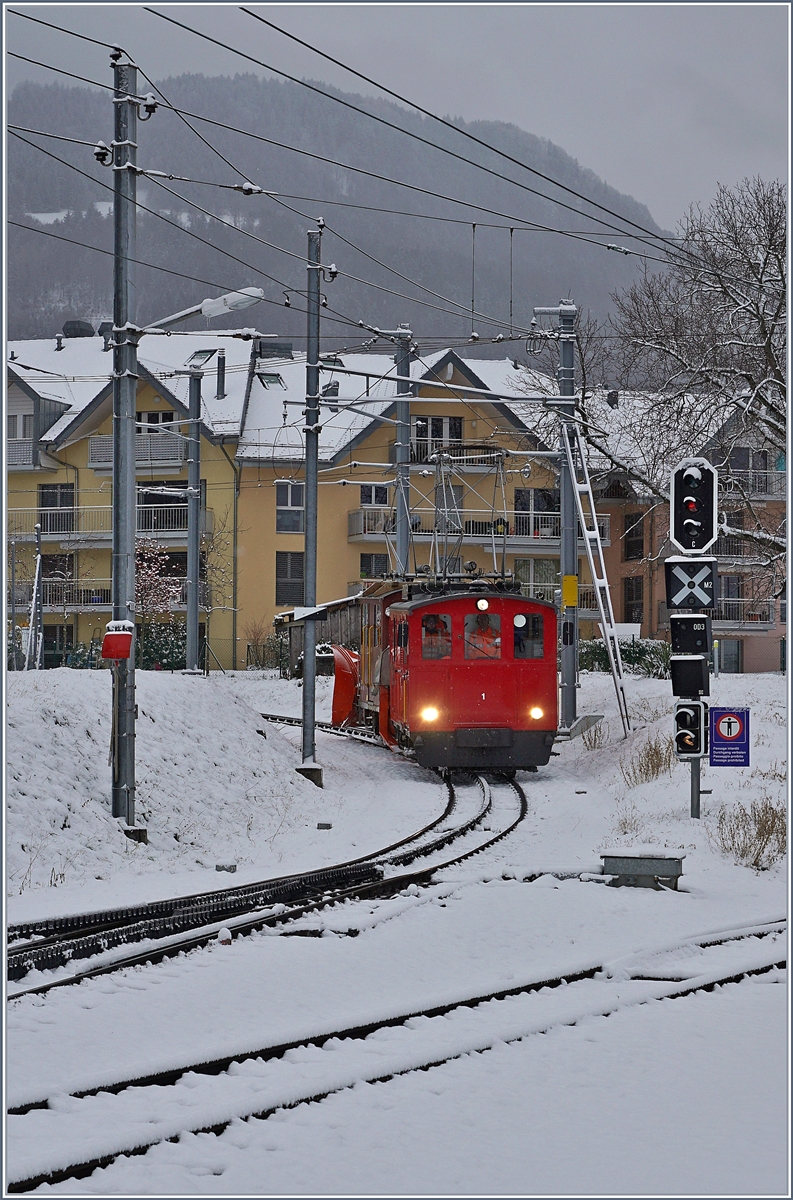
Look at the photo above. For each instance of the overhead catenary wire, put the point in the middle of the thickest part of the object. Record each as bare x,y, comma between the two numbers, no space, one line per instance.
435,195
694,265
456,128
406,132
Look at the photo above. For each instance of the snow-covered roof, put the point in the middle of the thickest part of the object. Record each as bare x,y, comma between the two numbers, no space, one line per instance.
81,371
266,416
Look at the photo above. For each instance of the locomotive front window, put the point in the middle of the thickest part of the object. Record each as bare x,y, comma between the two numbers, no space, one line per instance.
436,636
482,635
528,635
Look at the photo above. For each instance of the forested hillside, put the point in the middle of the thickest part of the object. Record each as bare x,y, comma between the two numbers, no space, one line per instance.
51,281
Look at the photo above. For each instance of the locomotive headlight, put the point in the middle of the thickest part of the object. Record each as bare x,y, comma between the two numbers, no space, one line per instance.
535,713
483,605
429,714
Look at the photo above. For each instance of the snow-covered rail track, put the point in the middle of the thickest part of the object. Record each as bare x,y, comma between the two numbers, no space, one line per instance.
184,923
133,1115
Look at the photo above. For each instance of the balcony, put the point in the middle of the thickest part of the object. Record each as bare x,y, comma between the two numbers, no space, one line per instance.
19,452
462,454
94,526
744,613
83,595
151,450
772,484
523,530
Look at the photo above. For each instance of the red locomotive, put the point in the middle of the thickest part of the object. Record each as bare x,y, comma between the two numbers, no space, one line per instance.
463,674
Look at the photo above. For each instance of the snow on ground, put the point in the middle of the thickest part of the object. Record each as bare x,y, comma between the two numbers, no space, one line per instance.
675,1098
211,790
681,1097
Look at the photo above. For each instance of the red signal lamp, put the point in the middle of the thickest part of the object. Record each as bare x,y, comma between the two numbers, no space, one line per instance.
117,642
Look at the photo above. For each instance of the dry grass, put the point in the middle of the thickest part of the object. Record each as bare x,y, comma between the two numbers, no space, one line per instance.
654,757
629,822
596,737
775,772
755,837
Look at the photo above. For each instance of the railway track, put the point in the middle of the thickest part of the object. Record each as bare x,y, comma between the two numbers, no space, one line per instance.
174,926
131,1116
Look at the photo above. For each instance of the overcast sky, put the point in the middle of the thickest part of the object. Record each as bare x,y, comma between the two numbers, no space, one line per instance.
661,101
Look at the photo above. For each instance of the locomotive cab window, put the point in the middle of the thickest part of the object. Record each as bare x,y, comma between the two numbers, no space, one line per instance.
482,635
528,628
436,636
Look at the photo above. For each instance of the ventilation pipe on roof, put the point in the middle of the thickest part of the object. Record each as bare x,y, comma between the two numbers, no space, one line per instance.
221,389
613,399
106,333
58,341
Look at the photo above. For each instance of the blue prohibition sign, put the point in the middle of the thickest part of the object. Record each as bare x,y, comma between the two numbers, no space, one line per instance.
729,737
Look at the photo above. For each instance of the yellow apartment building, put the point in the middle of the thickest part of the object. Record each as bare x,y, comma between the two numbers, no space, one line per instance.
494,502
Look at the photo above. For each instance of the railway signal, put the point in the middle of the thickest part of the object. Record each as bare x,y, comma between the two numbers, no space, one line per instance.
690,583
693,508
690,633
691,729
690,675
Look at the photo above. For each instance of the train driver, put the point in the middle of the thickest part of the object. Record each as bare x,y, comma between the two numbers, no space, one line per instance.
436,636
482,636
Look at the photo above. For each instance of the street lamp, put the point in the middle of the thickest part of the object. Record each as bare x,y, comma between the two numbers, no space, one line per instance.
125,372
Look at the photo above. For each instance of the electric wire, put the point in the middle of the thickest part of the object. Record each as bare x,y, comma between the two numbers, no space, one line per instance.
694,266
408,133
449,125
182,112
175,225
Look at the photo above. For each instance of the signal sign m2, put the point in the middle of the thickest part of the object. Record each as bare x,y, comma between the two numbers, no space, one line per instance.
729,737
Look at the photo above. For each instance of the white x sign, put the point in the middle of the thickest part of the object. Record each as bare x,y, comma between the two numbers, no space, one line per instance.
691,586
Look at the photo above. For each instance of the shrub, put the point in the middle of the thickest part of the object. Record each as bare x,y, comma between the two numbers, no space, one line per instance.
755,837
655,757
595,737
640,656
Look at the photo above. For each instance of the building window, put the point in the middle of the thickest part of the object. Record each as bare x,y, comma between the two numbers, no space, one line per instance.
730,656
538,577
449,508
633,592
428,434
289,577
56,507
199,357
373,566
634,536
289,507
270,379
374,493
19,426
150,422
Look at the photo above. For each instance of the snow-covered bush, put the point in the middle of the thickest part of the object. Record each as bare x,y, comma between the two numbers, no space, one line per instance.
756,836
640,656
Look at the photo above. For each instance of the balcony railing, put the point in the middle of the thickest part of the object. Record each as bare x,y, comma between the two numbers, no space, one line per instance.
91,593
473,524
752,483
152,520
151,449
745,611
538,591
19,452
462,454
734,547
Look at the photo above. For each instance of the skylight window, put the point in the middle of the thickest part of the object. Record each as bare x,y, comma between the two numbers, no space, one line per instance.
330,360
270,379
199,357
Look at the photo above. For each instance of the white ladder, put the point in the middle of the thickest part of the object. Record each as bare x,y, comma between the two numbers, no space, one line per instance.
587,518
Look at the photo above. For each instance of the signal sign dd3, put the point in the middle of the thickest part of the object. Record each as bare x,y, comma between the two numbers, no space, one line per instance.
729,737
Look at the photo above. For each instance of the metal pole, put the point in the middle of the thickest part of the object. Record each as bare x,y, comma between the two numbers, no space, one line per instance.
39,601
125,379
402,459
716,658
13,604
193,518
309,767
569,534
695,764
